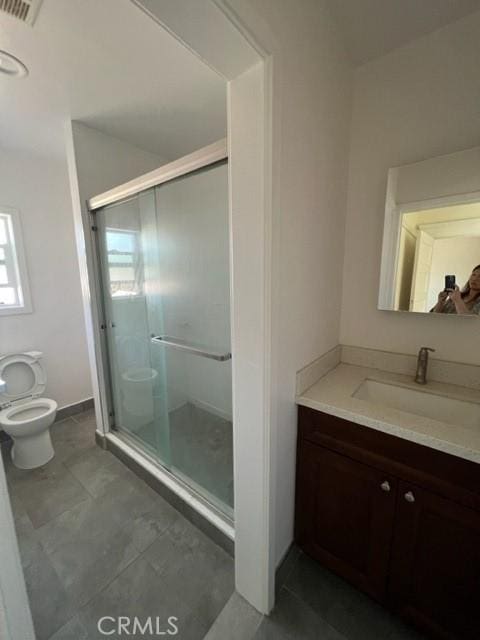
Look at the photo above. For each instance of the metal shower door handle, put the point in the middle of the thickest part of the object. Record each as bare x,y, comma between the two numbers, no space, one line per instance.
177,343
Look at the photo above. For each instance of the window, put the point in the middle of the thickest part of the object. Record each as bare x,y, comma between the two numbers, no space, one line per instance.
14,292
124,263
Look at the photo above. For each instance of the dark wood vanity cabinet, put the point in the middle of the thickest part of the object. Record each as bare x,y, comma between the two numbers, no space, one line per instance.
398,520
435,564
342,514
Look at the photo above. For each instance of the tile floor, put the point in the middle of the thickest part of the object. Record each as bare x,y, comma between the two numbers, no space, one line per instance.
312,604
96,541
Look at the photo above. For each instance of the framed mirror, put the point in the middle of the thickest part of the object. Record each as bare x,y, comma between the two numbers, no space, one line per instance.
431,240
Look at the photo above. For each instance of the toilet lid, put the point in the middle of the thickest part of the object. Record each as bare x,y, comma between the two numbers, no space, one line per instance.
24,375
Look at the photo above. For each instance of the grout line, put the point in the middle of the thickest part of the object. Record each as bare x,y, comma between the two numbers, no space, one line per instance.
109,582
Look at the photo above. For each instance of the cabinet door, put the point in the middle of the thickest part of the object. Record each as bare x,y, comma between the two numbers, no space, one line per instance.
344,516
435,571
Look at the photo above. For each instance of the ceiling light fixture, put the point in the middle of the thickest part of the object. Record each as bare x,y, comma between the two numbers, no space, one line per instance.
11,66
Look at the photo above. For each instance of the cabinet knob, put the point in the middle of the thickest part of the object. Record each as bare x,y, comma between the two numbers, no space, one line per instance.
409,497
385,486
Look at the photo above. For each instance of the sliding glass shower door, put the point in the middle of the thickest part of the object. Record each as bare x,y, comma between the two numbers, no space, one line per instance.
164,257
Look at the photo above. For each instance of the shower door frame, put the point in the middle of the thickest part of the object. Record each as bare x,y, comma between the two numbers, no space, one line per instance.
200,159
230,44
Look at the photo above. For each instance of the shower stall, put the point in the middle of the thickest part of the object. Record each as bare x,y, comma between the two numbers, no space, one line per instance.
162,272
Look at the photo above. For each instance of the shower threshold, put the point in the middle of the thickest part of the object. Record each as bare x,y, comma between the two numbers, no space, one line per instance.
181,495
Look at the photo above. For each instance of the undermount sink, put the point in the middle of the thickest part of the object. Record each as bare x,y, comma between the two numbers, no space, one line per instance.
421,403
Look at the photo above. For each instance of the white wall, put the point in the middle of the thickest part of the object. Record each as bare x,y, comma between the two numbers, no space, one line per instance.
418,102
311,115
15,617
104,162
96,163
38,188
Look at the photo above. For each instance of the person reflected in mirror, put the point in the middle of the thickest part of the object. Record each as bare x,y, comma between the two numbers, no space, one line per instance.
464,301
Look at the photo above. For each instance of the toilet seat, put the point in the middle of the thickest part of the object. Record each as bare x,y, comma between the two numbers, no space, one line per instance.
32,411
24,414
25,378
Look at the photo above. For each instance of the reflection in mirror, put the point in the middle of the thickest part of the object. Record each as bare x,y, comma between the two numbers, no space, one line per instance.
438,263
431,237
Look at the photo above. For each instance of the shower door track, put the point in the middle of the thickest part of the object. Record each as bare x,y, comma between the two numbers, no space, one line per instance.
200,159
189,496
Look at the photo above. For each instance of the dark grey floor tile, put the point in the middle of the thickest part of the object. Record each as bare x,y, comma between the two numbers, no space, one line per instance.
48,491
237,620
402,631
140,592
292,619
269,631
131,496
341,605
27,539
317,586
286,567
84,521
201,448
18,510
103,474
13,474
85,565
89,467
71,438
196,569
146,528
72,630
50,604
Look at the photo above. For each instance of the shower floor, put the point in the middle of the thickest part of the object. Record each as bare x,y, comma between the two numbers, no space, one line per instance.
201,451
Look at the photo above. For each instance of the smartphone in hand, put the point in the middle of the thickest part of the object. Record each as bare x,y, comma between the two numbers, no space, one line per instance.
449,282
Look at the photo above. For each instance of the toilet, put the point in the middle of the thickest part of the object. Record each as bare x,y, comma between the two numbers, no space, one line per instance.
25,415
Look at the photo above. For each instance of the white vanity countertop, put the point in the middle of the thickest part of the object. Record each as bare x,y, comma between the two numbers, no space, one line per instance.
333,394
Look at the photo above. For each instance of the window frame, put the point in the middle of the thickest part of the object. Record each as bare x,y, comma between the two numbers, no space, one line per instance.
16,256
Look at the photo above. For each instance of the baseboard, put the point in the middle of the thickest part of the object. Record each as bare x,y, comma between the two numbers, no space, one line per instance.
73,409
210,408
100,440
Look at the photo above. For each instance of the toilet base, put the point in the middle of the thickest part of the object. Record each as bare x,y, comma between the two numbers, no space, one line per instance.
30,452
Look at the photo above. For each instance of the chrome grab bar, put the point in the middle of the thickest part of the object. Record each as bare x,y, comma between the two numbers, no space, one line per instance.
177,343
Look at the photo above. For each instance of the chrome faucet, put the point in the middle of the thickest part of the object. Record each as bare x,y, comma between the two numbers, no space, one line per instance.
422,365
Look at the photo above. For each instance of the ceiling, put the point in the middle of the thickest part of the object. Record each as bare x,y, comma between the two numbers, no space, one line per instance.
372,28
109,65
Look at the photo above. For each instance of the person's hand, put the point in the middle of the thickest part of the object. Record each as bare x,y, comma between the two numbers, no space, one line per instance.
455,294
442,297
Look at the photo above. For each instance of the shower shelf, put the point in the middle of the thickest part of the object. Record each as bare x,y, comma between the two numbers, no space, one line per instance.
197,350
